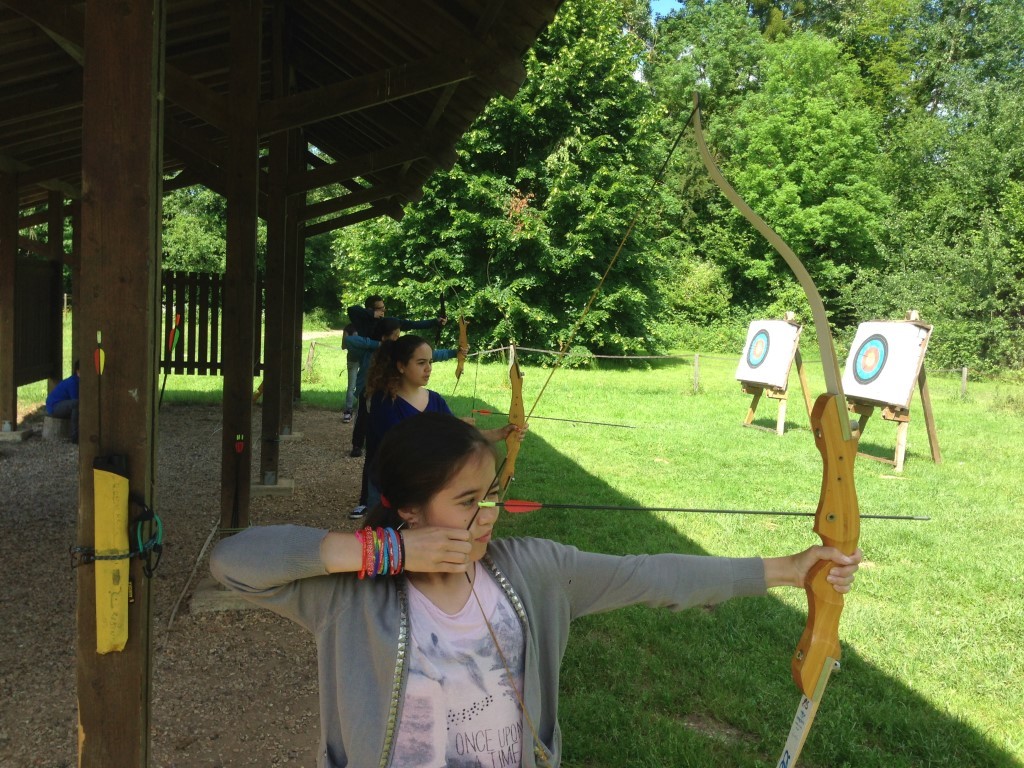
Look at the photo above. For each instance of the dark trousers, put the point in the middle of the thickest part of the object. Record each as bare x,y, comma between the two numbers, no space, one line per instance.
362,419
68,409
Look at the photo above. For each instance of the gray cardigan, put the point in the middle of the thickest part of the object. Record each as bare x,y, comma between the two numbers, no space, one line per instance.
361,627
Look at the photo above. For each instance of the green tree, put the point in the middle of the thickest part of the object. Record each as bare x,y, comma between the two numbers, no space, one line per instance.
545,188
955,166
195,223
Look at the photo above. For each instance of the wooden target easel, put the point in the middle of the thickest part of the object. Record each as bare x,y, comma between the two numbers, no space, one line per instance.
778,391
900,413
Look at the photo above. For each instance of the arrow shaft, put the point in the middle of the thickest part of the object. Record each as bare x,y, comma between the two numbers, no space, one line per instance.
618,508
571,421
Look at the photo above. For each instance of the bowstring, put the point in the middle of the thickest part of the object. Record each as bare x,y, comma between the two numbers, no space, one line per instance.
563,350
641,207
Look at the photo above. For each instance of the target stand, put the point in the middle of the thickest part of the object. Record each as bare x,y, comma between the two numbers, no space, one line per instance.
769,354
886,362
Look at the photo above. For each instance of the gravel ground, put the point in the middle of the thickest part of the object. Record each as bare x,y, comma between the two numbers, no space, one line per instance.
230,688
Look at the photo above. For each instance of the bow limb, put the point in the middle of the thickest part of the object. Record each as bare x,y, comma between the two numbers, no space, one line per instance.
517,417
837,519
460,356
829,361
442,312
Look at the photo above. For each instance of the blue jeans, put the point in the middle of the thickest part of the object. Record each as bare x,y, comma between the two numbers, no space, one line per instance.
350,394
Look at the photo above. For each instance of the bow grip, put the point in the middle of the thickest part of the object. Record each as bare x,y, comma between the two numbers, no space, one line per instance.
837,522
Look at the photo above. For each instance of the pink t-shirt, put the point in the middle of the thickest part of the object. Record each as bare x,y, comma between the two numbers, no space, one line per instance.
459,710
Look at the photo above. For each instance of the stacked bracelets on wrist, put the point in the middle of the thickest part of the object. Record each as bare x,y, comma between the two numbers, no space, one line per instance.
383,552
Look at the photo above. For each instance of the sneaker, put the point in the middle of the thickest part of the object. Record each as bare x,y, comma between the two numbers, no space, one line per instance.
346,417
358,513
356,452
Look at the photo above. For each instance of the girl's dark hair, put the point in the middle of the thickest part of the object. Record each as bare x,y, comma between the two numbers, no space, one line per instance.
385,327
417,458
384,375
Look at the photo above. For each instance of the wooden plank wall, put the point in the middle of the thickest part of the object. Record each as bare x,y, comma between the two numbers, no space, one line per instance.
37,319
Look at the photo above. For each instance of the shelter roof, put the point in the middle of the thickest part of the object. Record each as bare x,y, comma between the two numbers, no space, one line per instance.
382,89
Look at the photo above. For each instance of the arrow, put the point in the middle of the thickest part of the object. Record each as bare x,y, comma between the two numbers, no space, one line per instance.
520,506
485,412
99,359
172,343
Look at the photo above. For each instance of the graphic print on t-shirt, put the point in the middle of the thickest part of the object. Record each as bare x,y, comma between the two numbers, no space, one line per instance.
458,697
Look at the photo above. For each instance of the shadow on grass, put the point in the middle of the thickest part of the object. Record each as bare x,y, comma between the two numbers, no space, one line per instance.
711,686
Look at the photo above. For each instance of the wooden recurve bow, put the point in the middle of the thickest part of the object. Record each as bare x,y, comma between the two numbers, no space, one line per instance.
442,312
837,518
460,355
516,416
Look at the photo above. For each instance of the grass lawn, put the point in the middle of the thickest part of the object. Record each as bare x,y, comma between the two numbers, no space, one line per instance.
932,633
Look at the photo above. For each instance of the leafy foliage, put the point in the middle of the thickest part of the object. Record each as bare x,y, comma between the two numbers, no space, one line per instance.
523,227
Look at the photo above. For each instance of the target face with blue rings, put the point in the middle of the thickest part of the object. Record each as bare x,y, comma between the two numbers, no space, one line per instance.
758,350
870,359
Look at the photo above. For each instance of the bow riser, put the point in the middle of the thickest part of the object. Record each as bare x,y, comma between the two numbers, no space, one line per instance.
516,416
837,523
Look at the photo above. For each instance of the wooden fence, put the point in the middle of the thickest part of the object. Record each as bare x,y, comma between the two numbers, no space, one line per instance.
193,301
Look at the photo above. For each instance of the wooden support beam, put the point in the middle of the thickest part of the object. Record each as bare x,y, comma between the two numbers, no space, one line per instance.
364,92
201,156
65,24
330,225
59,94
50,176
242,179
362,197
119,296
8,257
369,163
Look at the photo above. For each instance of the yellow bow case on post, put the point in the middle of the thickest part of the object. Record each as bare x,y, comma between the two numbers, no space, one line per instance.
113,558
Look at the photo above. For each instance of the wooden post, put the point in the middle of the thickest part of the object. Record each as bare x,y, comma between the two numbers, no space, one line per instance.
929,417
696,374
310,356
300,282
291,308
55,242
752,410
277,215
801,373
8,257
963,381
76,281
780,422
901,444
239,316
119,297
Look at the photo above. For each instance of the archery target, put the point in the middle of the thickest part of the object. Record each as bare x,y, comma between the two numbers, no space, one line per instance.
869,359
768,354
884,362
758,349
